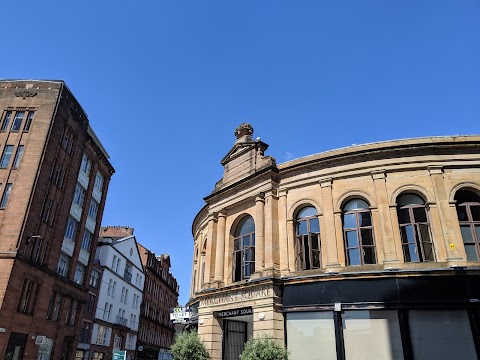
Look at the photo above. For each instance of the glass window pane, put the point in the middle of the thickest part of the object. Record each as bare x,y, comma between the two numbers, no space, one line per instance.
475,212
316,259
7,154
369,255
352,240
238,266
463,196
314,226
471,252
302,228
306,212
410,253
409,199
367,236
372,335
441,335
18,156
354,256
247,254
252,239
311,336
355,204
246,226
307,252
424,232
420,214
428,252
236,244
365,219
466,233
349,221
403,216
17,120
315,242
462,213
407,234
246,241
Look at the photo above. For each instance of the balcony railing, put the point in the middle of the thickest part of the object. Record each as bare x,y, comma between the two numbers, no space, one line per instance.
122,321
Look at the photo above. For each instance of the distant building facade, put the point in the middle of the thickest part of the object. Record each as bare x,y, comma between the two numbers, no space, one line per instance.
116,322
159,296
54,176
370,251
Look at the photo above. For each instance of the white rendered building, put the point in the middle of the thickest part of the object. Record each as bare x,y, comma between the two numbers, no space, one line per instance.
120,293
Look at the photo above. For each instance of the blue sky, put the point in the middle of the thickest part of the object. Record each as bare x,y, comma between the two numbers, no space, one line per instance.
165,83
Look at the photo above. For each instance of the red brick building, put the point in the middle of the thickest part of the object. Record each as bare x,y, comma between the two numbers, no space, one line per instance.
159,295
54,176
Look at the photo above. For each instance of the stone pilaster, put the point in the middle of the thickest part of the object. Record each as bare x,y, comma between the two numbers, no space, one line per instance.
210,256
447,214
330,243
385,222
282,231
220,248
259,233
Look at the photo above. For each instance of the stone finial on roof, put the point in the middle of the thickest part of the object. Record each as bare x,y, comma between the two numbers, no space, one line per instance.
244,132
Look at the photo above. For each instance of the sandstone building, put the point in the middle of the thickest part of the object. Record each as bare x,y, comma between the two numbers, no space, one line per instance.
370,251
54,176
160,294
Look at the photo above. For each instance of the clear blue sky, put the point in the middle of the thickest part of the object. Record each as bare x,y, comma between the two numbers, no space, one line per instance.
165,83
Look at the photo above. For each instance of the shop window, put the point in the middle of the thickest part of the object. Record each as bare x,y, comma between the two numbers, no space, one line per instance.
372,332
441,335
414,229
358,233
244,249
311,335
468,212
307,239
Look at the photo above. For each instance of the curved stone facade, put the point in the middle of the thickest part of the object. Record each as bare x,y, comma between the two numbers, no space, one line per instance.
376,215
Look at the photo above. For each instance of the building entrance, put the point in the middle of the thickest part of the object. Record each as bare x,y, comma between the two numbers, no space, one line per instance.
234,338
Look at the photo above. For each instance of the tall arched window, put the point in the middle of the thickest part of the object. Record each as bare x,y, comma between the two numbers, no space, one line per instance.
244,249
414,229
468,212
202,266
358,233
308,239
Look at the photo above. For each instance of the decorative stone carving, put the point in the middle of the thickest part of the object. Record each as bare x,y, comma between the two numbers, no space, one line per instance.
25,93
244,129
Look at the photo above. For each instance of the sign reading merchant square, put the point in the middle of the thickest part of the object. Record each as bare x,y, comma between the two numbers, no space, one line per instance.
234,312
252,293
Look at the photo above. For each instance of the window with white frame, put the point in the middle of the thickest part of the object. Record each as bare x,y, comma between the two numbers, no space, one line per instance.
86,240
114,261
94,278
110,287
86,165
98,182
93,210
106,311
117,342
101,335
63,263
79,195
71,229
79,274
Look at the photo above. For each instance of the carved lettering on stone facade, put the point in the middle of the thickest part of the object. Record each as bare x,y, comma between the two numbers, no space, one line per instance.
238,295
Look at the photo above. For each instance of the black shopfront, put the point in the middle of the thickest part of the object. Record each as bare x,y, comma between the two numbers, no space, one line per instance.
401,316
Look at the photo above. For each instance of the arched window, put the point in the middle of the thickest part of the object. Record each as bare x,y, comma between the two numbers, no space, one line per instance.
244,249
308,239
202,274
414,229
468,212
358,233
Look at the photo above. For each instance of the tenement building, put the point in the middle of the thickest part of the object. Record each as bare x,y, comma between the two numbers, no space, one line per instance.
159,296
370,251
54,176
